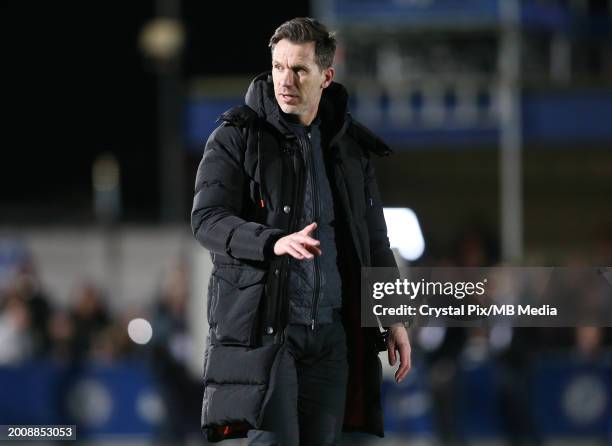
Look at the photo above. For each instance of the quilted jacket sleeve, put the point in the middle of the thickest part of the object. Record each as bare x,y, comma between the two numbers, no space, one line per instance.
217,215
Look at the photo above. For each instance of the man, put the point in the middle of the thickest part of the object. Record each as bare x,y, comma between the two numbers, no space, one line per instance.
287,203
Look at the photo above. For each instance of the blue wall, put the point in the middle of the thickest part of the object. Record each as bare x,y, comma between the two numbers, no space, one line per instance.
549,118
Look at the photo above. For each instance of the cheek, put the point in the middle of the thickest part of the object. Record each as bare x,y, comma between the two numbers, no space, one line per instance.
313,89
275,80
277,89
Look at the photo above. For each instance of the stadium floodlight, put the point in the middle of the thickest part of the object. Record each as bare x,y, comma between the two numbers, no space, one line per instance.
404,232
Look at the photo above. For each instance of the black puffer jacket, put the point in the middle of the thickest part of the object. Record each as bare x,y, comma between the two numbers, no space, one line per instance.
248,191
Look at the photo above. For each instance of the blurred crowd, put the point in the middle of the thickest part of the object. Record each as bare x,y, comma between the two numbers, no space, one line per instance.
512,350
32,327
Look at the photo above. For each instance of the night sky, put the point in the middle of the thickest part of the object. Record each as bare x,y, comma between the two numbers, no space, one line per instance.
75,84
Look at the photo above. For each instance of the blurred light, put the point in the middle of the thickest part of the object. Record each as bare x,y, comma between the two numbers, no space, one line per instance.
13,252
475,352
150,407
500,337
413,405
140,331
106,188
404,232
585,399
90,402
430,338
162,38
105,173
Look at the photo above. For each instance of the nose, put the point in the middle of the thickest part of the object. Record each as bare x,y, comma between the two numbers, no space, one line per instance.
287,79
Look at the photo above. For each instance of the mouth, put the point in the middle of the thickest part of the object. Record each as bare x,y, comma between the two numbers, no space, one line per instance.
288,98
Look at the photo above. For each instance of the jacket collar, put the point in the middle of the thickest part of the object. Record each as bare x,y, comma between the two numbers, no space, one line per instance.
332,108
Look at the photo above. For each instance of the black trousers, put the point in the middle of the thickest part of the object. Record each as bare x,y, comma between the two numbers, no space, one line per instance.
307,405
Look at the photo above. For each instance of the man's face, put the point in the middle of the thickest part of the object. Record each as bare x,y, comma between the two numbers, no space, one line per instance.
298,80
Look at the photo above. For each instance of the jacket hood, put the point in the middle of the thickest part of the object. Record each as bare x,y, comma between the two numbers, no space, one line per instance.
332,108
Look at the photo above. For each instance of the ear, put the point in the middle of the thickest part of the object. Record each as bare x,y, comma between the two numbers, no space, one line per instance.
329,77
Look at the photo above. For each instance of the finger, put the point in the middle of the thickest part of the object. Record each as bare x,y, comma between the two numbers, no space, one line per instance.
405,363
314,250
308,229
293,253
299,248
306,240
401,372
391,352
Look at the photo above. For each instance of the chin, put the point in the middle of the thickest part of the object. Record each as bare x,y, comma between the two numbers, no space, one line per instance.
289,109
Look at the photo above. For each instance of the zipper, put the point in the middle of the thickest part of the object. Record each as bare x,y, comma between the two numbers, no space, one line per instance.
297,204
281,278
316,211
369,199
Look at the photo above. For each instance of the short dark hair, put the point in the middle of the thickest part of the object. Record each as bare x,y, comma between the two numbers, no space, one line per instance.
304,30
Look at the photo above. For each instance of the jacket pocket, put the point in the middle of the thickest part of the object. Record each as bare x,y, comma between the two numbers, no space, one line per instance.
235,311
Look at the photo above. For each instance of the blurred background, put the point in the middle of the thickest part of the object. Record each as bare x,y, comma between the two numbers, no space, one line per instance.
500,116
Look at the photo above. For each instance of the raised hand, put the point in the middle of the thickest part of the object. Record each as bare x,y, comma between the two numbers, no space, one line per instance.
299,245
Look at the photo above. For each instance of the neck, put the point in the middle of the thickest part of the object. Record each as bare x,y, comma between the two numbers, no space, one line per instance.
307,118
304,120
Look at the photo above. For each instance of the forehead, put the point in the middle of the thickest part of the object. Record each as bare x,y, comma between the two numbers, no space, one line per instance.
292,53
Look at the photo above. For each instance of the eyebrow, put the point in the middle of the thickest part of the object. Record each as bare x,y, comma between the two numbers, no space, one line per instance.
294,67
